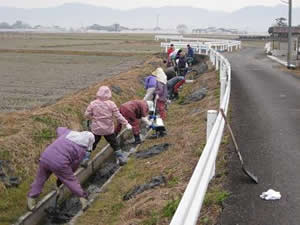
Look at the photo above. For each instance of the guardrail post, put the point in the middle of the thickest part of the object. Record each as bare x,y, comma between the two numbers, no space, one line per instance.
213,58
211,119
217,62
222,88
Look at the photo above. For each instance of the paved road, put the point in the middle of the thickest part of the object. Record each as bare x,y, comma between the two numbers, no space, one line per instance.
266,120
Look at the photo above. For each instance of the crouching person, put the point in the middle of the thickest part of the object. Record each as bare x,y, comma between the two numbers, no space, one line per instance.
62,158
173,86
150,84
134,111
102,112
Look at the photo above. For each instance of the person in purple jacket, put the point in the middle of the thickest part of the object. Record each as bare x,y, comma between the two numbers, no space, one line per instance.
62,158
161,93
150,84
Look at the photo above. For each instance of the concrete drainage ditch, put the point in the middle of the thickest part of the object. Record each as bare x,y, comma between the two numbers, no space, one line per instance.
71,206
70,209
101,169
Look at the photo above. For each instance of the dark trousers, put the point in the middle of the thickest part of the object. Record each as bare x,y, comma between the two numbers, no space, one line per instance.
111,139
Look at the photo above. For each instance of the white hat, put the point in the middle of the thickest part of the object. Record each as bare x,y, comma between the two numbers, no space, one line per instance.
150,106
84,138
160,75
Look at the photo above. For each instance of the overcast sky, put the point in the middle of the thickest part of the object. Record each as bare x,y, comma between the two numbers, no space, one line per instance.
223,5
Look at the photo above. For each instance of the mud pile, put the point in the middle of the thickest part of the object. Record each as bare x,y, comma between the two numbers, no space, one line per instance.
154,150
155,181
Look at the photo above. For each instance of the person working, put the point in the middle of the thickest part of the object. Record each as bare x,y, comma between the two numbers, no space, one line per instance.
150,84
102,112
62,158
182,66
173,86
190,55
169,51
161,92
134,111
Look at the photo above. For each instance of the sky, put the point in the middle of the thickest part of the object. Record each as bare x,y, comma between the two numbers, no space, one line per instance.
219,5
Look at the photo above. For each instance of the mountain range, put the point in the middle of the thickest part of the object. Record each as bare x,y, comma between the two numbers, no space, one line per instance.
252,19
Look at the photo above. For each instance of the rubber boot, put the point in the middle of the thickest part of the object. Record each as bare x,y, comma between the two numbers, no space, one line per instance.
84,203
31,202
122,157
137,139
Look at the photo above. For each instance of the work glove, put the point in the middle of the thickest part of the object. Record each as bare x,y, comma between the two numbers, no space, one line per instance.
128,126
31,203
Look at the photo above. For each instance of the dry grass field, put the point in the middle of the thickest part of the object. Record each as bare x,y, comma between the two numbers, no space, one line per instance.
38,69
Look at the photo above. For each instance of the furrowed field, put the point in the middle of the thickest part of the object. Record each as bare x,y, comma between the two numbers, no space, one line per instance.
38,69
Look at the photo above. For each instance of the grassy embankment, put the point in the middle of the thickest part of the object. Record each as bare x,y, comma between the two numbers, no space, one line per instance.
186,133
24,135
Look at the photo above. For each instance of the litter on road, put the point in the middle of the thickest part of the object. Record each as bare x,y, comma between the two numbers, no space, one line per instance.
270,195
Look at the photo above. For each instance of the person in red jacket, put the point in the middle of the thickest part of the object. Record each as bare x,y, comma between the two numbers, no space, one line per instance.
133,111
170,50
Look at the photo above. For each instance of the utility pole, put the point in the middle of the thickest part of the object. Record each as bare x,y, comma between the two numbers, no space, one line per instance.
289,36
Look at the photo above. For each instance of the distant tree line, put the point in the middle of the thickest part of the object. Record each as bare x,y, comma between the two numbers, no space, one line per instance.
115,27
111,28
22,25
17,25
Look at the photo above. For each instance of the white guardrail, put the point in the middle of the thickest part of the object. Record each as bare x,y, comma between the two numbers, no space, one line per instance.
203,47
190,205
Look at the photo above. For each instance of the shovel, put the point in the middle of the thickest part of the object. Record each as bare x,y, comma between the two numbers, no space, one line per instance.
247,172
56,199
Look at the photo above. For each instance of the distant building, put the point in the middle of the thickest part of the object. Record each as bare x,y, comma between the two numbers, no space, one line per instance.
279,37
215,30
282,32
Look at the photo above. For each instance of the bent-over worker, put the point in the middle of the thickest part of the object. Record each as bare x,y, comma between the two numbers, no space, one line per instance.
62,158
133,111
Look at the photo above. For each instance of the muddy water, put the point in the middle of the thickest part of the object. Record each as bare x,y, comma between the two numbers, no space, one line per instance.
64,212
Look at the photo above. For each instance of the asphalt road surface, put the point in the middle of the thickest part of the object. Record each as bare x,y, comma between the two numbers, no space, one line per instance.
265,105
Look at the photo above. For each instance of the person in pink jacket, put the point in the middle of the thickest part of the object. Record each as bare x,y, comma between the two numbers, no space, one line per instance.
102,112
